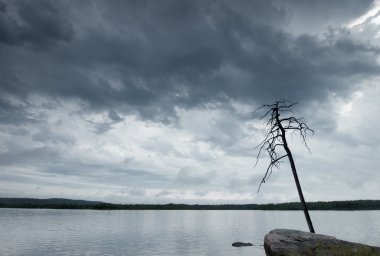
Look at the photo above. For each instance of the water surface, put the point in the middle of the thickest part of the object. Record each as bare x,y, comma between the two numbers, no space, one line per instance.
169,233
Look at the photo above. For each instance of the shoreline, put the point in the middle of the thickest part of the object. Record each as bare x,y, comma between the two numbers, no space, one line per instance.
60,203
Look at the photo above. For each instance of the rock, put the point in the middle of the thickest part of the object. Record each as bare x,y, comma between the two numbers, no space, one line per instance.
240,244
282,242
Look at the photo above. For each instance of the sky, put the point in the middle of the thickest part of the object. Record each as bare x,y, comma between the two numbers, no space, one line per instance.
153,101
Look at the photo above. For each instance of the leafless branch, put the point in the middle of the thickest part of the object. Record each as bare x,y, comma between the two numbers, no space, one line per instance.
275,132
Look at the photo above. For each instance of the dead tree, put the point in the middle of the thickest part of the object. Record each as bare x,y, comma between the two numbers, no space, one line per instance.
275,139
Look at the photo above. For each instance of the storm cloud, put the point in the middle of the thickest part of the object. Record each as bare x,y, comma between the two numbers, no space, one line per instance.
163,87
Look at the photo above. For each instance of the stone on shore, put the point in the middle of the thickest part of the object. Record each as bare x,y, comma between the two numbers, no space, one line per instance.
240,244
284,242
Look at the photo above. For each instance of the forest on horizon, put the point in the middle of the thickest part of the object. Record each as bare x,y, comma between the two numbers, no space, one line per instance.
60,203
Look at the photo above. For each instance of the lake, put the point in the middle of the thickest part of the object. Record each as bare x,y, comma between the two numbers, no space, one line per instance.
173,232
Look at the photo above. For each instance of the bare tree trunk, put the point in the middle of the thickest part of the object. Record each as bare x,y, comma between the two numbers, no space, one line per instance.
294,171
305,210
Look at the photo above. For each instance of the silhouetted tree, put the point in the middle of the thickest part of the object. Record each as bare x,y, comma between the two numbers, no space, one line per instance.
275,138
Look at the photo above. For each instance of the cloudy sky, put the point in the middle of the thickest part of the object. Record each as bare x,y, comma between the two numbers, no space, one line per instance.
152,101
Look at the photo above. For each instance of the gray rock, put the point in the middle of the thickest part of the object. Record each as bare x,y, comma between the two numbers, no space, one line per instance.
283,242
240,244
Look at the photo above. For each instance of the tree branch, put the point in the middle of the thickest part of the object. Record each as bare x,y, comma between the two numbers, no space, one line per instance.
274,135
274,163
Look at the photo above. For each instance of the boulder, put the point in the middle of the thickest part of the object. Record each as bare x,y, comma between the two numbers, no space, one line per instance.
283,242
240,244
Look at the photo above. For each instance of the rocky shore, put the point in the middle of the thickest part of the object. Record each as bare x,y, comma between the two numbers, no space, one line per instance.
286,242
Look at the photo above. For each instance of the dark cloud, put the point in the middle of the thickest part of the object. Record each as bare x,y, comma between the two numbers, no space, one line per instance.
126,93
147,57
114,116
14,114
39,23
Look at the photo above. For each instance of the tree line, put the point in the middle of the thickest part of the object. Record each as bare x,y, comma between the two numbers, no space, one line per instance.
294,206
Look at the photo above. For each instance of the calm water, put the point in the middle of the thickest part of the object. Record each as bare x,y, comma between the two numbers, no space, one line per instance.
86,232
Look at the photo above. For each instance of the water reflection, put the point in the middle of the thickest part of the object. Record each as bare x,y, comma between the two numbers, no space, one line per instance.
87,232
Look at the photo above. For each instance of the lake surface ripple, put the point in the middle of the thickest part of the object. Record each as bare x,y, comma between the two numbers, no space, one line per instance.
173,232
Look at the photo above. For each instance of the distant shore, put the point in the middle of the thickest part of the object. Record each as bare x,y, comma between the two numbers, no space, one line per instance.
61,203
